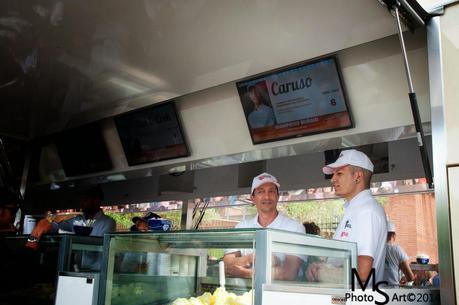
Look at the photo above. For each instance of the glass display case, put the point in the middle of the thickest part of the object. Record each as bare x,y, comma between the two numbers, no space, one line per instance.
79,265
183,267
80,253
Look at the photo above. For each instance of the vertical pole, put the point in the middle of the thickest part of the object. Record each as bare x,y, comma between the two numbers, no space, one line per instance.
414,104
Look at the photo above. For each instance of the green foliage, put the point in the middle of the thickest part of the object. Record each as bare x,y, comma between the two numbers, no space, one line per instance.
318,211
211,214
122,219
216,253
382,200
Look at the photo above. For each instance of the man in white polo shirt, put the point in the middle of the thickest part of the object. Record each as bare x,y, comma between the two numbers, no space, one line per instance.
265,195
364,221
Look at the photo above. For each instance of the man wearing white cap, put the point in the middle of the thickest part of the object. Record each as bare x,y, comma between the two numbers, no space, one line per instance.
364,221
265,195
396,260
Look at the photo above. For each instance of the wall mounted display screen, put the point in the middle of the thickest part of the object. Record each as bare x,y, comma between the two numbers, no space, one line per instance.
296,101
151,134
82,150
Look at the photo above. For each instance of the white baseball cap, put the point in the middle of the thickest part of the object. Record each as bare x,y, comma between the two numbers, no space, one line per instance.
262,179
390,226
349,157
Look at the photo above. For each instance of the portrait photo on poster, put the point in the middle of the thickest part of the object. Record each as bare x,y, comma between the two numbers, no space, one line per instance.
299,100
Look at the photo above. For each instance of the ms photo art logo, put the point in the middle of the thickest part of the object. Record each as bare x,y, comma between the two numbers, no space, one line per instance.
378,296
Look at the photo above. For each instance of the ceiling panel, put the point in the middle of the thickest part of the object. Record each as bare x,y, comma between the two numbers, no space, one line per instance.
64,63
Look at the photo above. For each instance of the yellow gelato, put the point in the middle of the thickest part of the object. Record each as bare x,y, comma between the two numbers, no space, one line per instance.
219,297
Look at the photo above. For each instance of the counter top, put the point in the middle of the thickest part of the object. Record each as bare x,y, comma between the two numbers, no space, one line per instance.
424,267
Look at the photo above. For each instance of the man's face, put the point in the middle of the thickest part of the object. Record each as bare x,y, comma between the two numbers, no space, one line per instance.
343,181
89,205
265,198
141,225
7,215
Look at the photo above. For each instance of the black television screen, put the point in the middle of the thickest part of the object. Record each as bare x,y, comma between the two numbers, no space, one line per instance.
82,150
378,154
296,101
151,134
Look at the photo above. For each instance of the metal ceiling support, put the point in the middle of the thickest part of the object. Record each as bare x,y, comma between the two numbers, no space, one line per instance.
200,207
6,173
25,173
412,19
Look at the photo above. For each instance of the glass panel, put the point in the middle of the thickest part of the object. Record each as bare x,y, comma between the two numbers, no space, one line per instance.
291,262
160,268
164,268
84,261
86,253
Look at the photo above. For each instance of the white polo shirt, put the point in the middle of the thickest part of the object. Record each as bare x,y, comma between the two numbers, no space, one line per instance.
364,222
281,222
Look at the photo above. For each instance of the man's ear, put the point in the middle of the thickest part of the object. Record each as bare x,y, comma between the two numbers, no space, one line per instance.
358,176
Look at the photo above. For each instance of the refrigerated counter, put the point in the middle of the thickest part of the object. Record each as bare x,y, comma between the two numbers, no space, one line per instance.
79,264
160,268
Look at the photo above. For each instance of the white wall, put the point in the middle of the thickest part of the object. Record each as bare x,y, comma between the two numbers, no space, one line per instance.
214,122
165,49
450,49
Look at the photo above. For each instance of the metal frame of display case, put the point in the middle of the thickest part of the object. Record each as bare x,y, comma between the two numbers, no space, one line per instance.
70,242
261,240
265,240
67,277
218,238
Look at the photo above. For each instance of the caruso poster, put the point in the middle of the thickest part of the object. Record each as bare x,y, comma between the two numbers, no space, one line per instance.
297,101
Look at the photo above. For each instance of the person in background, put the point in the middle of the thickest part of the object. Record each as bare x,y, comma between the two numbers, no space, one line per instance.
92,216
311,228
396,260
364,221
9,205
265,195
135,262
17,282
141,223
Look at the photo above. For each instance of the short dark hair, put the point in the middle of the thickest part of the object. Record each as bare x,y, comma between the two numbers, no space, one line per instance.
95,192
311,228
390,235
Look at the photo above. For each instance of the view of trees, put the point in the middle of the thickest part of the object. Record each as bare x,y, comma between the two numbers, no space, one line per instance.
325,213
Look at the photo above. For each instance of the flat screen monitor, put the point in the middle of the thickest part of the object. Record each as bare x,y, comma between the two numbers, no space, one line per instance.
151,134
304,99
82,150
